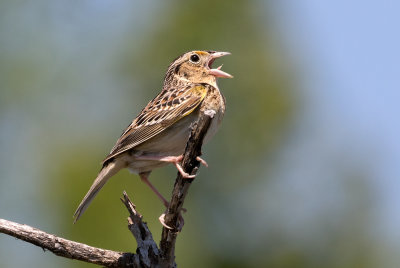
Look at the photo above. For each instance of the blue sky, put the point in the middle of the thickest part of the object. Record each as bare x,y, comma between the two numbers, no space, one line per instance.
351,53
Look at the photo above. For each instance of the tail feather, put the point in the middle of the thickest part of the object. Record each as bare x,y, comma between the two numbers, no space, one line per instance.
105,173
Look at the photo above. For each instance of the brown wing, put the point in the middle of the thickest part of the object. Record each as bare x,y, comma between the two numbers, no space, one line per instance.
160,113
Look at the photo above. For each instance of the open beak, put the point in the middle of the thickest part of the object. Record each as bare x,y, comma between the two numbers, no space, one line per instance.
218,72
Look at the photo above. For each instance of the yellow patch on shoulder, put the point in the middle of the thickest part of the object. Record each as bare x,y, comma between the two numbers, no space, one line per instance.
198,94
200,91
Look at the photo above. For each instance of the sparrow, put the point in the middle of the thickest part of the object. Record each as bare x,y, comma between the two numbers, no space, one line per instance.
158,135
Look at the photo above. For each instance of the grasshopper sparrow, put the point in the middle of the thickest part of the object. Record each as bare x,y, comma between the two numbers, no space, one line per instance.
158,135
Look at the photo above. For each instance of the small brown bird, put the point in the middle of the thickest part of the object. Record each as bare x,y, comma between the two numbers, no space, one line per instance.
158,135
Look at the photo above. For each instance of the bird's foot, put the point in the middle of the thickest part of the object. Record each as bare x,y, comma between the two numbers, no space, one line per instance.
181,222
176,160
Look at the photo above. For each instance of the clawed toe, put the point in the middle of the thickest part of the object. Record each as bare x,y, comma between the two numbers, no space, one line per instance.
181,222
188,176
162,221
202,161
184,174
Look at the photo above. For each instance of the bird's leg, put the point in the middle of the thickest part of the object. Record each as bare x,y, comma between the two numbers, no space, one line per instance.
170,159
145,178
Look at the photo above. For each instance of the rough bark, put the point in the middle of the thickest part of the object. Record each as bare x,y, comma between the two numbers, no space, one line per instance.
181,187
63,247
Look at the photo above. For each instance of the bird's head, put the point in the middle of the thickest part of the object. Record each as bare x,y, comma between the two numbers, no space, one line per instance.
196,67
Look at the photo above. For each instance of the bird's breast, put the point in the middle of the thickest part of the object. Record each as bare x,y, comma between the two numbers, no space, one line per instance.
214,101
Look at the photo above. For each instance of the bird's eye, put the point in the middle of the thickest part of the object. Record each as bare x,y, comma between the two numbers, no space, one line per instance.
194,58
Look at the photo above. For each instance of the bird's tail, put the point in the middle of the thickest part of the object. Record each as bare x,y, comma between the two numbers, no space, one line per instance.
105,173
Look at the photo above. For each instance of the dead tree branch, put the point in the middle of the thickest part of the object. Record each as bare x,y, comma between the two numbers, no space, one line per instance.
147,251
181,187
63,247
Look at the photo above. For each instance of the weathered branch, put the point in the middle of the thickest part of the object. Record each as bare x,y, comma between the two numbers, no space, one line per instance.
148,254
65,248
147,251
181,188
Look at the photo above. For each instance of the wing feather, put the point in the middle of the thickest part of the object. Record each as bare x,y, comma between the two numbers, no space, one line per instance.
165,109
